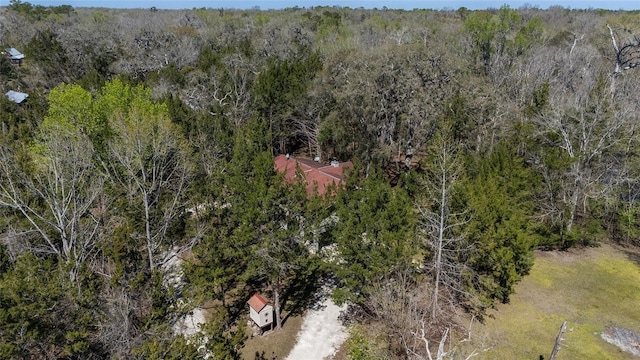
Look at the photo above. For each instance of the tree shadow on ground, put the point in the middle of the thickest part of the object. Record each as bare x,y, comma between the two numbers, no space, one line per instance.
308,293
633,256
631,251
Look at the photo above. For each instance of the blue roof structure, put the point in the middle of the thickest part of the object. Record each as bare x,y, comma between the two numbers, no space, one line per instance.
16,96
15,54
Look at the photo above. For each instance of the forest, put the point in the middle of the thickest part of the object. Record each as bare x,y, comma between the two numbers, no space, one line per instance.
477,138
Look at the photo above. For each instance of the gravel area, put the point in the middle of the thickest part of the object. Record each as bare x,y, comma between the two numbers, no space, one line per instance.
322,333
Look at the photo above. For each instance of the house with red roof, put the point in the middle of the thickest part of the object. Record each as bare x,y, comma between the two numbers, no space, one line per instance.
315,173
260,311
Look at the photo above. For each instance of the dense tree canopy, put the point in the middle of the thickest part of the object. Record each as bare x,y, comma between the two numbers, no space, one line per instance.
148,139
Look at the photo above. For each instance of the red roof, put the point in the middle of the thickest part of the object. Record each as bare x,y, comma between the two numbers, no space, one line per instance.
257,302
314,172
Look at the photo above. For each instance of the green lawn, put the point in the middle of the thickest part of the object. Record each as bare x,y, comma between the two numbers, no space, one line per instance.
590,288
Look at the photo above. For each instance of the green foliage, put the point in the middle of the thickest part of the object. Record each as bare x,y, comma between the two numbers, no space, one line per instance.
5,263
176,349
279,87
245,47
173,75
74,108
628,223
221,342
124,254
186,118
259,223
281,249
508,20
539,100
144,153
99,17
482,29
92,81
26,9
295,77
590,231
252,161
45,50
463,125
498,193
17,121
162,299
240,208
40,314
212,54
152,159
8,72
527,36
208,58
496,35
101,59
119,98
374,234
329,25
283,81
362,346
71,107
62,9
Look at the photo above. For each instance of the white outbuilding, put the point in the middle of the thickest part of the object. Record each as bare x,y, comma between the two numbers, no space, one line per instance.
260,311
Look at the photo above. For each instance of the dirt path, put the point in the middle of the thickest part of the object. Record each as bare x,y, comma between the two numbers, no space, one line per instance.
321,334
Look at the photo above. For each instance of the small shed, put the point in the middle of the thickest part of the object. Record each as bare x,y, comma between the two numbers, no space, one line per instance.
260,311
16,96
15,56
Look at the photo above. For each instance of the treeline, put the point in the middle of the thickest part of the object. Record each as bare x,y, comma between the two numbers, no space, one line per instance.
38,12
149,135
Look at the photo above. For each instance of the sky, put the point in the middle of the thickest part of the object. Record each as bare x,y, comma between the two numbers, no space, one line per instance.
392,4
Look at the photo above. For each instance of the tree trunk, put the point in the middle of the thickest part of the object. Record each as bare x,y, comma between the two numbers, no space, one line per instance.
317,142
147,228
438,261
276,305
575,196
556,347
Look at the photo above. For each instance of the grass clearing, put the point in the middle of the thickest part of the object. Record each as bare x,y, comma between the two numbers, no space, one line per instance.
274,343
590,288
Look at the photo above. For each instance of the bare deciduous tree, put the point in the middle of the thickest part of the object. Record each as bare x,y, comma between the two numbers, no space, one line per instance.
586,127
627,55
440,227
65,180
403,305
154,159
307,122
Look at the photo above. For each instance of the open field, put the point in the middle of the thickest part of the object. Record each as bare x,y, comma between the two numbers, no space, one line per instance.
590,288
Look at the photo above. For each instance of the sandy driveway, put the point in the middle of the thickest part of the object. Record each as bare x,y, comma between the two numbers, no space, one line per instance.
321,334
